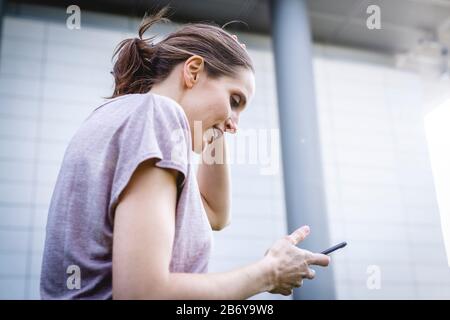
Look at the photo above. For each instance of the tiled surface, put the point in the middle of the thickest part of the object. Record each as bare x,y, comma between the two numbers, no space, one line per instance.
379,190
379,185
50,80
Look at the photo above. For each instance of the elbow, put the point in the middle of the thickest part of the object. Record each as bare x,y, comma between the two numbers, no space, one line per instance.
219,218
220,225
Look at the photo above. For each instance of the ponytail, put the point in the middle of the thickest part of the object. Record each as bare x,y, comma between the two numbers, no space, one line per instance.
133,67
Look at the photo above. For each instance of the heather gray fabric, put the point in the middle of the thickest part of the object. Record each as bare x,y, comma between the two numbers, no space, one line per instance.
97,166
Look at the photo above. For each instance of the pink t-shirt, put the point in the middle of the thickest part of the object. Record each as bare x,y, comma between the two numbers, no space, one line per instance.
97,166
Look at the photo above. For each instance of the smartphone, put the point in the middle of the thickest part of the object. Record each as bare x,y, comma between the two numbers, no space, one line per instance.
334,248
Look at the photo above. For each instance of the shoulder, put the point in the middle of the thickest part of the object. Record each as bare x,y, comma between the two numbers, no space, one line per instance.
167,110
159,108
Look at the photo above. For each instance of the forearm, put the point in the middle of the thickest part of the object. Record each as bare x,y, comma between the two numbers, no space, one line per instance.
214,183
240,283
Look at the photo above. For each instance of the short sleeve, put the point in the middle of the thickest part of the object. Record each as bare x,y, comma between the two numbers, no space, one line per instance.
157,129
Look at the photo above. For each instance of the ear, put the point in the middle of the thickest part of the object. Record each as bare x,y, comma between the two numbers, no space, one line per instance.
192,69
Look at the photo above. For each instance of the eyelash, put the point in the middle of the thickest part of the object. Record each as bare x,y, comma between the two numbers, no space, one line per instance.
234,103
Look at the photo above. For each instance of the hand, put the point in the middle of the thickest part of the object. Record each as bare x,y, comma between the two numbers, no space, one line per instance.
236,38
290,265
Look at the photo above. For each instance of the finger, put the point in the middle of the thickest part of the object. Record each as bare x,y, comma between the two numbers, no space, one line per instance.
319,259
310,274
243,45
298,235
234,36
298,284
286,292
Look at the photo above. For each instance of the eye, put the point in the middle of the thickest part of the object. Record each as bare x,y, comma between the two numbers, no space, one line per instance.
235,101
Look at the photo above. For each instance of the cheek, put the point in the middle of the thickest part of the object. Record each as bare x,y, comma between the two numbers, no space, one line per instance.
215,115
223,112
216,102
223,107
217,108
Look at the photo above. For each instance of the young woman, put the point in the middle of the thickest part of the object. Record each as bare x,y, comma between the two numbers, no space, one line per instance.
129,218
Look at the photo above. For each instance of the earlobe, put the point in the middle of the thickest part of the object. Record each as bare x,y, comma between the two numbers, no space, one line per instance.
187,77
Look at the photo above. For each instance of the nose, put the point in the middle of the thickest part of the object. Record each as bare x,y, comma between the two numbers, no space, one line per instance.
231,124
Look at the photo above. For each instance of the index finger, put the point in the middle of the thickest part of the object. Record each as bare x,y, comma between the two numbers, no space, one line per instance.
299,235
319,259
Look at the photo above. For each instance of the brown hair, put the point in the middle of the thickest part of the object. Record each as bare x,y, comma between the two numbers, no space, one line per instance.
140,64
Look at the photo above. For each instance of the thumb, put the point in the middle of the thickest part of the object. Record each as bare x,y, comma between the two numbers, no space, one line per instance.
299,235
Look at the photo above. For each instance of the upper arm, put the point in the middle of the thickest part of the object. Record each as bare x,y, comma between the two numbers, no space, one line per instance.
144,228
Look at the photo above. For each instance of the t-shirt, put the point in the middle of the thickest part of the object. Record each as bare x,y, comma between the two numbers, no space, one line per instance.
98,164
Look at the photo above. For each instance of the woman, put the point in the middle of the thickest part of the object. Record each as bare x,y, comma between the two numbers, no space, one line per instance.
128,217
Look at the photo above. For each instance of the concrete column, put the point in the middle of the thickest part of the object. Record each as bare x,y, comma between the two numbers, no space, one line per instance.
302,165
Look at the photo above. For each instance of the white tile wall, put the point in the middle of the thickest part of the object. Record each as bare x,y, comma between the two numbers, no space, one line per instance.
379,189
378,180
50,80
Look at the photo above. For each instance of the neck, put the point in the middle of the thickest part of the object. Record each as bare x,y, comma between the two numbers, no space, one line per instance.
167,90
